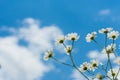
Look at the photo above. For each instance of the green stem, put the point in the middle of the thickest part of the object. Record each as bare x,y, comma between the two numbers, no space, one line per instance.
90,73
105,40
110,65
106,51
106,72
107,65
64,45
118,72
81,72
97,43
112,48
71,57
61,62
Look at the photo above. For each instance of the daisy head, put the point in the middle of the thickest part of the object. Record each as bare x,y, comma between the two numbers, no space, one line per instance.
109,49
60,39
84,67
90,36
94,64
73,36
48,54
99,76
113,35
112,73
105,30
68,49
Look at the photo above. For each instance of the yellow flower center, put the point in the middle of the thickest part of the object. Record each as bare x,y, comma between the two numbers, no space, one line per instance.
61,41
85,68
94,65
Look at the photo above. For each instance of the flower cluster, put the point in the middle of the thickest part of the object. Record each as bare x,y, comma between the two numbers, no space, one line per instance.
108,31
61,40
94,67
69,37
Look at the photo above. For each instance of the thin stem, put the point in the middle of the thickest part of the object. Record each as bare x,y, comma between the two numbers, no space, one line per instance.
106,49
72,44
108,77
97,43
110,65
107,65
118,72
90,73
113,47
61,62
108,54
105,40
106,72
81,72
64,45
71,57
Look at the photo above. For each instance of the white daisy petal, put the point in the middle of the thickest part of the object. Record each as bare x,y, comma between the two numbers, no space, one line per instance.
84,67
94,64
48,54
105,30
73,36
113,35
109,49
60,40
68,49
90,36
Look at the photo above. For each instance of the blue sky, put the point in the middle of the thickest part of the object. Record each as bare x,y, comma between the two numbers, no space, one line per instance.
81,16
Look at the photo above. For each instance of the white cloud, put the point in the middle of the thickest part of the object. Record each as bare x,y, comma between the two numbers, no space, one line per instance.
4,28
24,62
98,55
105,12
108,15
39,38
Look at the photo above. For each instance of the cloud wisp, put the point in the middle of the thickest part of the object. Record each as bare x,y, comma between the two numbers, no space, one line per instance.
24,62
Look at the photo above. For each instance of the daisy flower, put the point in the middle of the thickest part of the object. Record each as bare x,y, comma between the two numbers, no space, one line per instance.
109,49
94,64
105,30
68,49
113,35
99,76
90,36
73,36
84,67
112,73
48,54
60,40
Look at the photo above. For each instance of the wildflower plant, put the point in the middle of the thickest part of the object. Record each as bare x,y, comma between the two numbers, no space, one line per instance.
94,69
